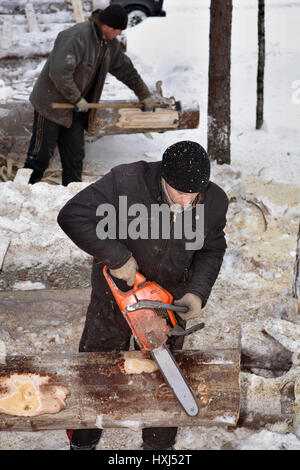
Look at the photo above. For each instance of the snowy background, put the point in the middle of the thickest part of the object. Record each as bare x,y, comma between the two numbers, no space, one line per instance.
255,282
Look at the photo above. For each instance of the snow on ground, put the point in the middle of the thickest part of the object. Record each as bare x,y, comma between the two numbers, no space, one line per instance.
262,181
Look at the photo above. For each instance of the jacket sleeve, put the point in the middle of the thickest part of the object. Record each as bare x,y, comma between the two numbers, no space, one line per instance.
65,56
79,220
208,261
123,69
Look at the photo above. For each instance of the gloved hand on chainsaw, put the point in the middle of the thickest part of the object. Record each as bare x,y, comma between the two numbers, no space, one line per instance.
149,104
127,272
194,304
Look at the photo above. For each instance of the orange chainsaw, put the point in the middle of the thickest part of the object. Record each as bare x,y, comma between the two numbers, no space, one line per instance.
148,310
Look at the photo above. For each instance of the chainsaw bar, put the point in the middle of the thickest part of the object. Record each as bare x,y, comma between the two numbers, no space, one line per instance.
174,378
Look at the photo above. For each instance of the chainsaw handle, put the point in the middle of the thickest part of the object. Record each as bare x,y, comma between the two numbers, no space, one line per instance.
139,278
156,304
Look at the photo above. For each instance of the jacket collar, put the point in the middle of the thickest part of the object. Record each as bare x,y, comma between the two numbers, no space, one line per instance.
97,26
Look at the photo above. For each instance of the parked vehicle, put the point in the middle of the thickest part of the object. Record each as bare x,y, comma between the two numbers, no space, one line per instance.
139,10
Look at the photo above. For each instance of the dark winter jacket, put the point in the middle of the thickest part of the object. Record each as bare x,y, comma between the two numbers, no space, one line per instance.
166,261
70,72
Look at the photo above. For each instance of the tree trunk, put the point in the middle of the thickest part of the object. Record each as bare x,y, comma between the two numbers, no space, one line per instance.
261,64
121,389
219,125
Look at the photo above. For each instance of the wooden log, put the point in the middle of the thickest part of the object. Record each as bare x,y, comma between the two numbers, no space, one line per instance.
78,11
31,18
16,119
106,390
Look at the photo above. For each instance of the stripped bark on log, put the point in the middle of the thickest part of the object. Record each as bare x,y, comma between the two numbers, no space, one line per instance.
30,395
105,393
16,120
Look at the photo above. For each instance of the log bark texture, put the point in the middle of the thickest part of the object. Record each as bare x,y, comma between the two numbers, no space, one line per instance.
103,393
219,122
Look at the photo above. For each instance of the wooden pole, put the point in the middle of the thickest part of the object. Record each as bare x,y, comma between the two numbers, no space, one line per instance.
105,390
31,18
78,11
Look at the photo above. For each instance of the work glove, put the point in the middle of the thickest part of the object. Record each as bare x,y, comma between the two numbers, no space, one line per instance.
127,272
82,106
149,104
194,304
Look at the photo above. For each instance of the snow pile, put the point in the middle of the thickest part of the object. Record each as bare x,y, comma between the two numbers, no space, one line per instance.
253,292
265,440
28,218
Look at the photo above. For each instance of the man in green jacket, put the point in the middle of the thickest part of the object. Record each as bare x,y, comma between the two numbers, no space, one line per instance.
75,72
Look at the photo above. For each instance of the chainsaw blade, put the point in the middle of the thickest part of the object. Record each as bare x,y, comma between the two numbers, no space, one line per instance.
174,378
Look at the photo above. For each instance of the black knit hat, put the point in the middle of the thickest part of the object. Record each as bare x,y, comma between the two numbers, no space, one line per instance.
186,167
114,16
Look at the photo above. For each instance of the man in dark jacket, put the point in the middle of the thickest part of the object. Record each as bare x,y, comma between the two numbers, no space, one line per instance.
75,73
179,182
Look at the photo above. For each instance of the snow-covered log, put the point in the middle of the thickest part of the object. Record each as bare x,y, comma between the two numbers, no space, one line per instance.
271,400
111,390
265,401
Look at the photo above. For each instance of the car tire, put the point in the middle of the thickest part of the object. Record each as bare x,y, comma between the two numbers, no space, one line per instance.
136,15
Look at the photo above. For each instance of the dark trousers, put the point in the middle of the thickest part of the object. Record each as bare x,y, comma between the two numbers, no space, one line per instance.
46,135
110,332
